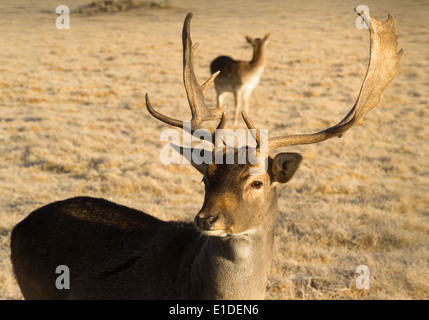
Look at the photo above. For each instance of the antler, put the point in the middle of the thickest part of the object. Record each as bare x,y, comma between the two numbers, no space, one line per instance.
382,69
196,93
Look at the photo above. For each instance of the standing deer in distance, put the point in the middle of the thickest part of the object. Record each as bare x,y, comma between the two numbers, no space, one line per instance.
240,77
115,252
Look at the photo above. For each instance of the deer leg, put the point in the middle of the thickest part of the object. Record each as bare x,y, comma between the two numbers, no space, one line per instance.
246,102
220,97
237,98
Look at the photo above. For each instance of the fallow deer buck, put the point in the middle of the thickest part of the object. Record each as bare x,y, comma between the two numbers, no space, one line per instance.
239,77
115,252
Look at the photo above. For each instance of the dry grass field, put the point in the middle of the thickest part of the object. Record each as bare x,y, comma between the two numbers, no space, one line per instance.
73,122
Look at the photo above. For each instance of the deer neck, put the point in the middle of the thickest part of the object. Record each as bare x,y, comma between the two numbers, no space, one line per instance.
258,58
236,266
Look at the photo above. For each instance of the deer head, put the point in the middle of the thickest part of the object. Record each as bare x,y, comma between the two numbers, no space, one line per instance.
237,202
257,42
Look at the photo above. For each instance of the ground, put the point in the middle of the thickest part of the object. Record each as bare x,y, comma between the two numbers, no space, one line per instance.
73,122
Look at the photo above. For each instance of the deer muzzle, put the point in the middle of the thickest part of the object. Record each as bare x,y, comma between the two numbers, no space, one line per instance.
206,221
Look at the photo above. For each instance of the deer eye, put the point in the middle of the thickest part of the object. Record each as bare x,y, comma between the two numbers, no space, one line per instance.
256,184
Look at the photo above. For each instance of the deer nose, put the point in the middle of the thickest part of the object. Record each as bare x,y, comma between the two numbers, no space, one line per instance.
206,222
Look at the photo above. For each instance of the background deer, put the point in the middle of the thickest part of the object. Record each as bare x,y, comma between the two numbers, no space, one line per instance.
240,77
115,252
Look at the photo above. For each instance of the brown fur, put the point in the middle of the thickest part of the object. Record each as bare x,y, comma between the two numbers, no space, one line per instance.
238,76
115,252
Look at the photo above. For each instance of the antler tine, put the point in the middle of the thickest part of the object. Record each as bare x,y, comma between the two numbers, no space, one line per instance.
160,116
195,93
382,69
255,134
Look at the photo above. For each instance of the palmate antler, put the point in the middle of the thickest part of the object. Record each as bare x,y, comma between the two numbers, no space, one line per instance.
382,69
195,92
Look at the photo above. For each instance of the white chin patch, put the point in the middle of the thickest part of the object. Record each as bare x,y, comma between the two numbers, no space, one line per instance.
214,233
223,233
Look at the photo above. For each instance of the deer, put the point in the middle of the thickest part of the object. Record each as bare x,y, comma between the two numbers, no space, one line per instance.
116,252
238,76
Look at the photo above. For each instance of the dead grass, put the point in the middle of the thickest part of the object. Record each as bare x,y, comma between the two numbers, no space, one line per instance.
73,122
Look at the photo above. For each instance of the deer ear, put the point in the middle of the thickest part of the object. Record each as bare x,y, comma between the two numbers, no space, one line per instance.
199,158
267,37
284,166
250,40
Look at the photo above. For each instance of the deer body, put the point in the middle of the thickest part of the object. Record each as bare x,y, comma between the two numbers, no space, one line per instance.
106,245
94,236
115,252
239,77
